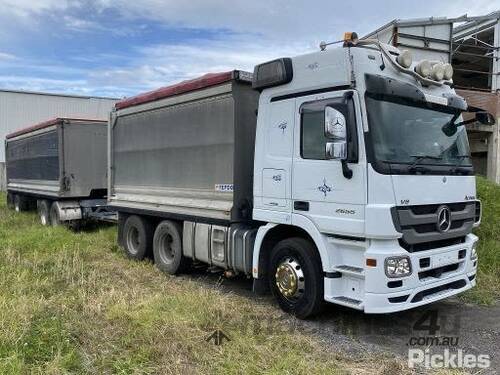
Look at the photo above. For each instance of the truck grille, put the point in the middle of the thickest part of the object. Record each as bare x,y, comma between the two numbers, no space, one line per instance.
420,229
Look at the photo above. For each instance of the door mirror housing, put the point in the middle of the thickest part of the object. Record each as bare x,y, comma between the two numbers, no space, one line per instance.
336,150
335,124
485,118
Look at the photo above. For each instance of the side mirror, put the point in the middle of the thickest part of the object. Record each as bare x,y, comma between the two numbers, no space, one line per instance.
485,118
336,129
335,124
336,150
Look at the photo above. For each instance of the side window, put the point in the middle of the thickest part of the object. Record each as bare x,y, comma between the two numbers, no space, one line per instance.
312,128
313,134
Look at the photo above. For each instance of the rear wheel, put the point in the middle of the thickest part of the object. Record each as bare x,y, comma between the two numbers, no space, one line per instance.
296,277
54,218
137,236
167,248
44,211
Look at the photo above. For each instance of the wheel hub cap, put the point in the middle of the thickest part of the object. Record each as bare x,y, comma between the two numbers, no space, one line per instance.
290,278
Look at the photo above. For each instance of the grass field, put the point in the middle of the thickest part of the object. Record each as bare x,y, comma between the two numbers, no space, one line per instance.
72,303
487,291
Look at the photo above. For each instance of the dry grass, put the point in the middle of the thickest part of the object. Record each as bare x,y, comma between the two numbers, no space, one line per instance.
72,303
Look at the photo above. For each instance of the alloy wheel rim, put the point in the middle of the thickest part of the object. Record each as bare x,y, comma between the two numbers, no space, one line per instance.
290,279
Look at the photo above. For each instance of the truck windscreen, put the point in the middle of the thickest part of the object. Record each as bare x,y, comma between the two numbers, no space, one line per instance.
402,132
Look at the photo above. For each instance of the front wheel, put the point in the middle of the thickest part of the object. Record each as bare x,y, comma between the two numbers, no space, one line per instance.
296,277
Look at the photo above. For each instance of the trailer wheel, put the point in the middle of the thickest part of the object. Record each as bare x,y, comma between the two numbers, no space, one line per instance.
20,203
44,211
167,248
10,201
296,277
54,218
137,236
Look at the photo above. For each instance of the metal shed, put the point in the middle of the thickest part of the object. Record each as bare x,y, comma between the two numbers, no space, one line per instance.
19,109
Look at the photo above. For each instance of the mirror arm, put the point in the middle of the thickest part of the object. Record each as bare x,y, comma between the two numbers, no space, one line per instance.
346,171
470,121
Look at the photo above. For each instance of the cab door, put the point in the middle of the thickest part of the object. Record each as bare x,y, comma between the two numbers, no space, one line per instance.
328,169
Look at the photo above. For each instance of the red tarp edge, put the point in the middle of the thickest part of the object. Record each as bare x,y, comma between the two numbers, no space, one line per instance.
46,124
207,80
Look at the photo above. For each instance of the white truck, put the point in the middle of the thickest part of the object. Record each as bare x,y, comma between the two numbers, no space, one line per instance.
342,175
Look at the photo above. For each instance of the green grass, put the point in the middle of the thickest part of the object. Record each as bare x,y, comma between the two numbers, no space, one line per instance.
72,303
487,290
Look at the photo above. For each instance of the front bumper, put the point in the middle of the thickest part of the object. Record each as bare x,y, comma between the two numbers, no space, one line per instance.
436,274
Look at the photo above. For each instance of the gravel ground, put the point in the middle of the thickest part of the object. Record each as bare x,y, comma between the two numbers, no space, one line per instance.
475,329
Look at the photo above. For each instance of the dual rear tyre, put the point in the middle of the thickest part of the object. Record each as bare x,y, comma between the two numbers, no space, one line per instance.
48,213
165,243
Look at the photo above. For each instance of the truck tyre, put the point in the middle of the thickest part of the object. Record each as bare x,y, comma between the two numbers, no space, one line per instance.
55,220
20,203
10,201
44,211
296,277
167,248
137,237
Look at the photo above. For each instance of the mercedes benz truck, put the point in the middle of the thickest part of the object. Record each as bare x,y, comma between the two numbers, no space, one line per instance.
342,176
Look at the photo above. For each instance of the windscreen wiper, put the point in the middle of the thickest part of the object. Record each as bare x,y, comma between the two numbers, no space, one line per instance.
459,169
413,167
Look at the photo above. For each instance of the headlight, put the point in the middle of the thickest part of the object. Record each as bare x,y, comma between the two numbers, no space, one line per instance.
397,266
473,253
405,59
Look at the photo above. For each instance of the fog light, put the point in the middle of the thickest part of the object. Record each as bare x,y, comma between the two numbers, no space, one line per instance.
397,266
448,71
423,68
405,59
437,72
473,253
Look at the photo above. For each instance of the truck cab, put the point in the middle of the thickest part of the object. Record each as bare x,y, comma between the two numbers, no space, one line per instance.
363,153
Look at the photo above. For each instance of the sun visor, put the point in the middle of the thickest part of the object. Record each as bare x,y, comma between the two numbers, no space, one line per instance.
387,86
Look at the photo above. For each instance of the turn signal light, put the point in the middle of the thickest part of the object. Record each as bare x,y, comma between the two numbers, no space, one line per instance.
371,262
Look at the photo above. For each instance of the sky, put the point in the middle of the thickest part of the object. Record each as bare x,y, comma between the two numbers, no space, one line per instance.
119,48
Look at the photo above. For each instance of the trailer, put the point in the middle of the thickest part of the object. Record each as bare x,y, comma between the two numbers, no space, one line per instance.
59,168
185,154
342,176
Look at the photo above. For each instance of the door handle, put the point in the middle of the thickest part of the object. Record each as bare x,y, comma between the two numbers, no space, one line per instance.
301,206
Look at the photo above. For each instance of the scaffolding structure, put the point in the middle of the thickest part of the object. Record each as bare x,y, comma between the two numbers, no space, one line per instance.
472,46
